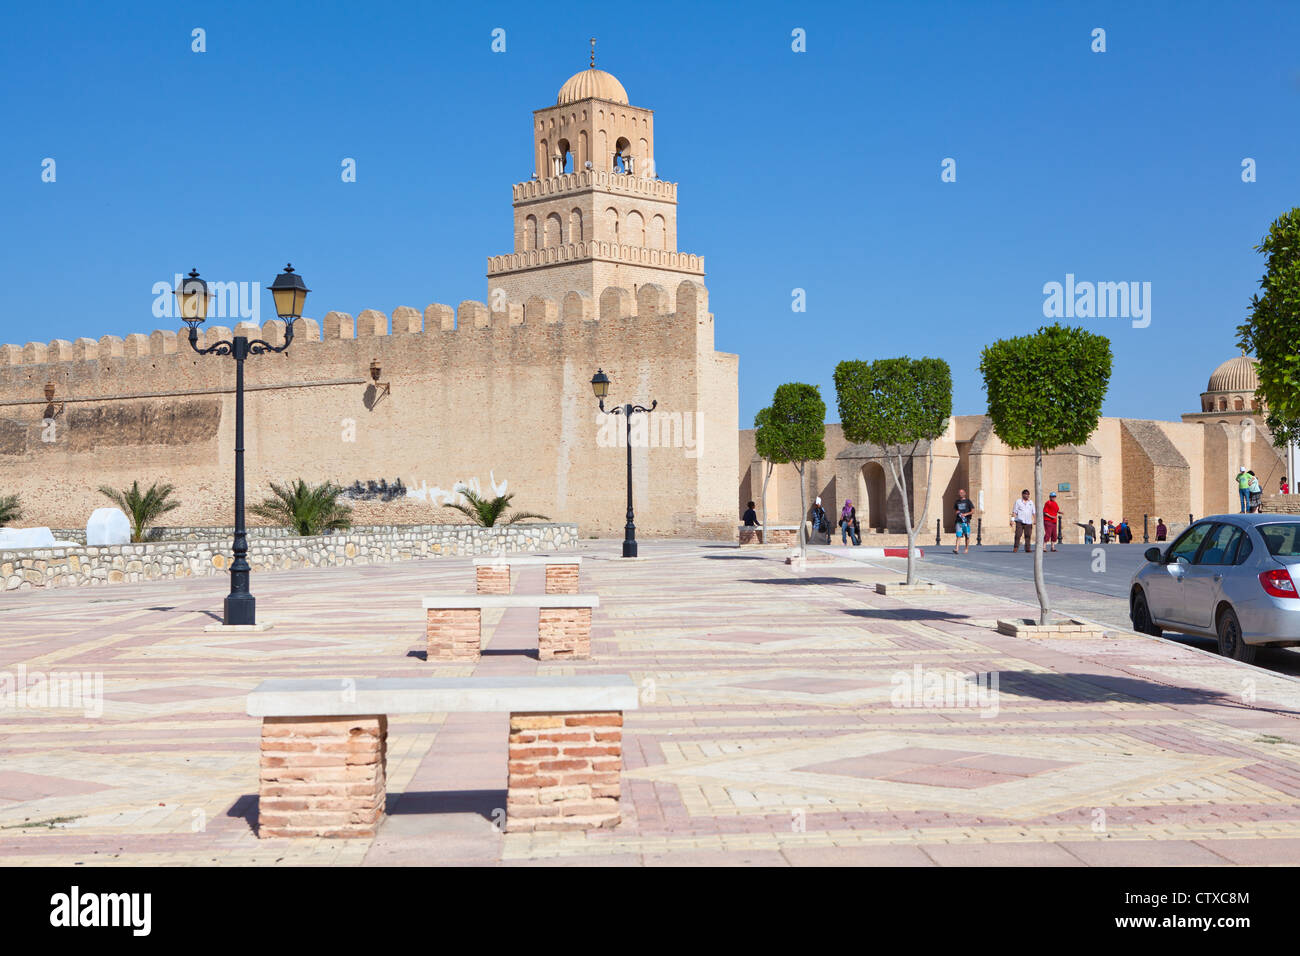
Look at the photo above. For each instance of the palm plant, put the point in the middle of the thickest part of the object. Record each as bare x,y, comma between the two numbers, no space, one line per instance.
9,509
142,508
487,512
308,509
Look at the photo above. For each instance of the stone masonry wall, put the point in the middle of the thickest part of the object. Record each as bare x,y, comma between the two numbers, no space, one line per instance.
153,561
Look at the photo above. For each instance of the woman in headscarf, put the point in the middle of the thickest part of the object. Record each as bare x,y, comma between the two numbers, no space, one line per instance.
849,524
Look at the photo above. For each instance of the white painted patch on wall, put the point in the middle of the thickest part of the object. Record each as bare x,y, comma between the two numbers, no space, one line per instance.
440,496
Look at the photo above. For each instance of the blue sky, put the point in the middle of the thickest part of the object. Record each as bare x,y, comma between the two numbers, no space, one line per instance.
816,170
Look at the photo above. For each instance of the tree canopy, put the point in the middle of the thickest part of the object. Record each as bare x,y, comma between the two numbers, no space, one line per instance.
1046,389
894,401
1272,332
795,426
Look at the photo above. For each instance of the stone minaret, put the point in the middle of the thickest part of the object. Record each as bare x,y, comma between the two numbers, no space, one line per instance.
594,214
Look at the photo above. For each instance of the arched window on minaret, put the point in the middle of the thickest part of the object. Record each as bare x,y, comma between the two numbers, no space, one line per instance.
554,230
565,157
530,233
611,224
658,233
634,235
575,225
622,156
584,151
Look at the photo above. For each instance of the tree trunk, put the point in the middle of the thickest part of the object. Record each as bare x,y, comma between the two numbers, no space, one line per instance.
803,509
766,478
899,475
1040,585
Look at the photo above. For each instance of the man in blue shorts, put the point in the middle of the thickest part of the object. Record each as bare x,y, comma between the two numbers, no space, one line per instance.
964,508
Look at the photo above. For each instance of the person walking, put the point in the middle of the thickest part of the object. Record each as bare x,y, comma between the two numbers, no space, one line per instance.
849,524
1243,487
820,523
1283,488
1051,522
1256,493
964,508
1089,532
1124,532
1022,519
750,517
1162,532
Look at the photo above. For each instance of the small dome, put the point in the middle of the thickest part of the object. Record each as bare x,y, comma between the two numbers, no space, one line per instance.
1235,375
592,83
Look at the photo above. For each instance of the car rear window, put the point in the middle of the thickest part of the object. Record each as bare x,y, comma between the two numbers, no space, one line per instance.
1282,540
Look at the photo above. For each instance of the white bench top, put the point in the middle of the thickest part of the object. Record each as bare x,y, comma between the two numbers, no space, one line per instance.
445,602
429,695
770,527
525,559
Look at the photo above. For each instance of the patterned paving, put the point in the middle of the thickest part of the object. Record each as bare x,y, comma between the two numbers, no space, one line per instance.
787,718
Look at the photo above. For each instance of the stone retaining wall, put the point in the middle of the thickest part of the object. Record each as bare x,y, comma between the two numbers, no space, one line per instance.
162,560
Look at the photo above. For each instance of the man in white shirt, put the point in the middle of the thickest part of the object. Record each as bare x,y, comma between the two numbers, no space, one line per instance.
1022,517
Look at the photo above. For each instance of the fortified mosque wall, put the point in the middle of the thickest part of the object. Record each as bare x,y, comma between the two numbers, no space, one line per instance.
495,396
493,399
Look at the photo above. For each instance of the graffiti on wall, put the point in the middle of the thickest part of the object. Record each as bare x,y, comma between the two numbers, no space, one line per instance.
440,496
379,490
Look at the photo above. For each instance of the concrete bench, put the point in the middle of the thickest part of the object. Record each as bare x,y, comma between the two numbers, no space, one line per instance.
454,623
325,746
492,575
785,534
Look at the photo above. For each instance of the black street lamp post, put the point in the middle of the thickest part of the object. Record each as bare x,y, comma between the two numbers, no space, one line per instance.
600,385
289,293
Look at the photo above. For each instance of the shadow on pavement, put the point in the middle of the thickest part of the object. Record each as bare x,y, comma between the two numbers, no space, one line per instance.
904,614
482,802
800,581
1091,688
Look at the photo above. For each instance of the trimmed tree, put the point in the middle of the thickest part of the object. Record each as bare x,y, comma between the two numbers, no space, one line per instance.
1045,390
796,424
764,434
1273,329
896,404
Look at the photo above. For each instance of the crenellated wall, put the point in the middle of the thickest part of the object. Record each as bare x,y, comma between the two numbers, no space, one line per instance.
489,398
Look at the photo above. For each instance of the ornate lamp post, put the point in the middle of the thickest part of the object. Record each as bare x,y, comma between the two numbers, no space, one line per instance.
289,293
600,385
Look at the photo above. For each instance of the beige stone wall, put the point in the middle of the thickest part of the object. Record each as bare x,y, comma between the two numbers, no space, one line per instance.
500,397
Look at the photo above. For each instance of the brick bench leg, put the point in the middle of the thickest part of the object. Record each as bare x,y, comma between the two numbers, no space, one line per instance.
563,632
562,579
493,580
322,776
453,634
564,771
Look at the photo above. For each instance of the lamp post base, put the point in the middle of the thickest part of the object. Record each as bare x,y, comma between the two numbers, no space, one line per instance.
240,610
629,548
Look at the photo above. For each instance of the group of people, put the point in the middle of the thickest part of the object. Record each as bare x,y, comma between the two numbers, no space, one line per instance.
1250,493
848,523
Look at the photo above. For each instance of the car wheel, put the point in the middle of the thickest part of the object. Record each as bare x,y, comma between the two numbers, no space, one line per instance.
1141,617
1230,641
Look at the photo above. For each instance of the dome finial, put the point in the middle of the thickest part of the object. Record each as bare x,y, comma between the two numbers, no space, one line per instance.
593,53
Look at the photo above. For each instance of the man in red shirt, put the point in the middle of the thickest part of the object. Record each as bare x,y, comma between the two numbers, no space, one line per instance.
1051,519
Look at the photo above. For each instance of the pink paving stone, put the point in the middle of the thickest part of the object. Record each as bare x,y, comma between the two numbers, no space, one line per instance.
288,644
1002,854
1143,853
1016,766
1270,852
949,775
167,695
809,685
19,787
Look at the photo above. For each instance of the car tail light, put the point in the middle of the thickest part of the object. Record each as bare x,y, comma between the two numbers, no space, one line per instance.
1278,583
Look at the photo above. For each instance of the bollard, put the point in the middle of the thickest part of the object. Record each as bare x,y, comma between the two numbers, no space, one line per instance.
938,530
1190,520
979,532
1145,539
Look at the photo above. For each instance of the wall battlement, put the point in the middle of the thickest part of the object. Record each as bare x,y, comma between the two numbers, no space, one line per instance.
585,179
689,301
577,251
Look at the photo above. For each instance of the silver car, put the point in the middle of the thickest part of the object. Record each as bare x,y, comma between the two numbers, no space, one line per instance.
1232,577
